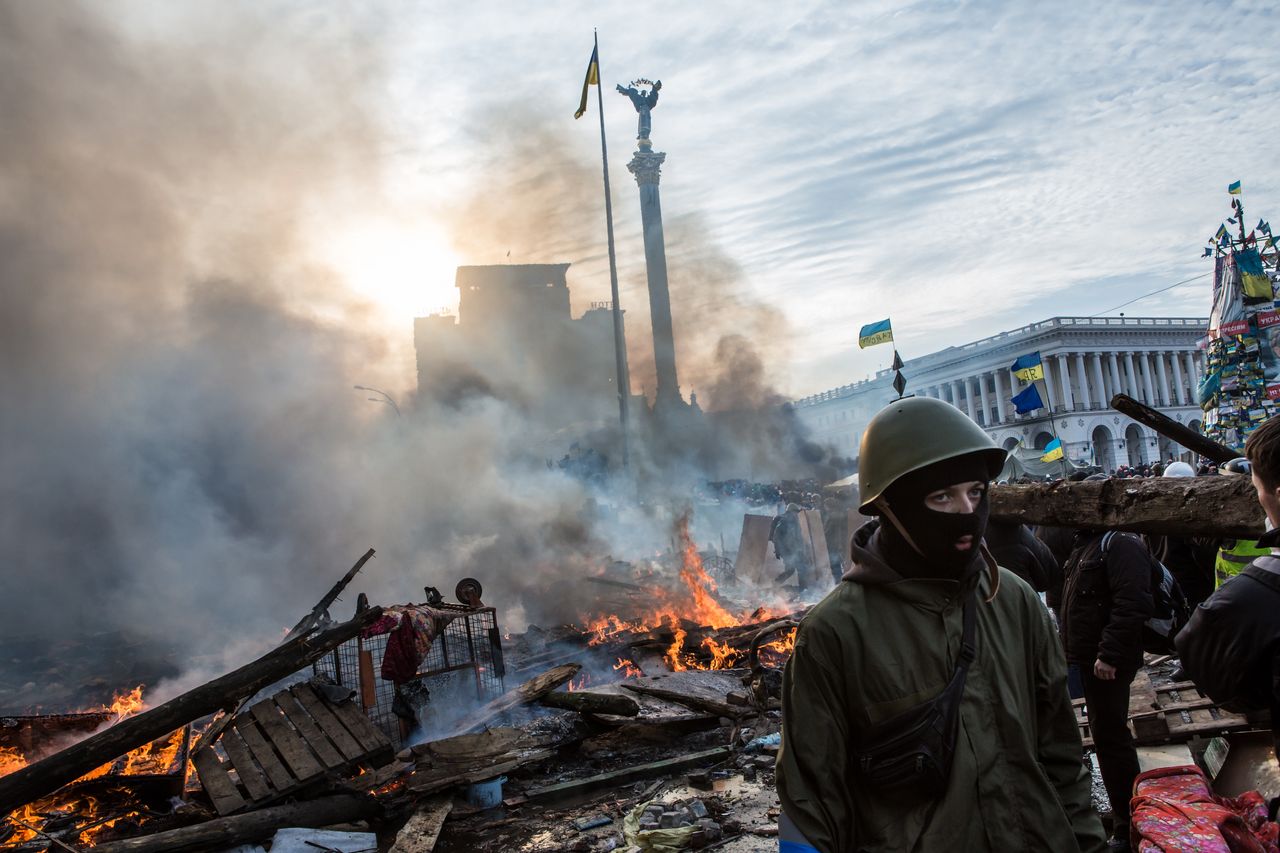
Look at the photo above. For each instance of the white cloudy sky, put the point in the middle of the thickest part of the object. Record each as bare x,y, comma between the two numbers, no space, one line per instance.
962,167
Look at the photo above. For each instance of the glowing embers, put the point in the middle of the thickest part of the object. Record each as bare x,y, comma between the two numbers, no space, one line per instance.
122,794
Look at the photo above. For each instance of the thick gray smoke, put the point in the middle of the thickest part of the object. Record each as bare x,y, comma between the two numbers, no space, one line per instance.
186,468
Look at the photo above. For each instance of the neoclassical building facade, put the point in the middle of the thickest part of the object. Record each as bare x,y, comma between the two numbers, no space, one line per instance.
1086,361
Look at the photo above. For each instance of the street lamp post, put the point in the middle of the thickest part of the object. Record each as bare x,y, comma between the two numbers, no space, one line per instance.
385,398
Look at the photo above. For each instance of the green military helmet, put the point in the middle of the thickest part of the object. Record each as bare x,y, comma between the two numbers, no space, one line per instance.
914,432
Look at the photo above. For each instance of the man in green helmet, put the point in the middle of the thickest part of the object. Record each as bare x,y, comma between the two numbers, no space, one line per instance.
925,706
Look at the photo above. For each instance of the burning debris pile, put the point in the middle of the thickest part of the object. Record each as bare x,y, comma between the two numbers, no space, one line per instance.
654,680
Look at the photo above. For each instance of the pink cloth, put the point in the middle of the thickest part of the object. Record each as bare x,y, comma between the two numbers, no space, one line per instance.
413,628
1175,812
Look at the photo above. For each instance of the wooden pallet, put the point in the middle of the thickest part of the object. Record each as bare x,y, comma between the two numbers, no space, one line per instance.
284,744
1168,713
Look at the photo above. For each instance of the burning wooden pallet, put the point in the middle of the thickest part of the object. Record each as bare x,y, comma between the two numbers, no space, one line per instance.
1168,713
286,743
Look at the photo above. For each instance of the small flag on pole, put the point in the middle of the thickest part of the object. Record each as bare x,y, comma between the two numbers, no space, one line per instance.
1028,367
897,361
1052,451
1234,188
1027,401
593,79
875,333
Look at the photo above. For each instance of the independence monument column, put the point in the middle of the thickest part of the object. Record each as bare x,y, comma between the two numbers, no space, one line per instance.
646,166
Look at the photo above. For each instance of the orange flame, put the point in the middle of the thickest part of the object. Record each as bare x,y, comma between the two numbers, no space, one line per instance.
629,669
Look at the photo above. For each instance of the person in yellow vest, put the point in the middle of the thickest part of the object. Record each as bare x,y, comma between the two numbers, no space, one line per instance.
1235,554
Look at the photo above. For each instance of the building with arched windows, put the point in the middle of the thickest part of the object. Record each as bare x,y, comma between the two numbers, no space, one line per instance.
1086,361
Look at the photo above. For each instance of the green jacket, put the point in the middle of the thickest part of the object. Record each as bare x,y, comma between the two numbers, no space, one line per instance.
879,644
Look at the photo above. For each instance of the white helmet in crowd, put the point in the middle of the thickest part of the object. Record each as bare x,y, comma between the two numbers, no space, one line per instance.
1179,469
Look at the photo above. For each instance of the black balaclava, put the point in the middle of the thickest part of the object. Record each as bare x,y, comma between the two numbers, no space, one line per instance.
933,533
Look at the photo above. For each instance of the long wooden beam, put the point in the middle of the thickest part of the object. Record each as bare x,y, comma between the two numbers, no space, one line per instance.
51,773
1171,429
1216,506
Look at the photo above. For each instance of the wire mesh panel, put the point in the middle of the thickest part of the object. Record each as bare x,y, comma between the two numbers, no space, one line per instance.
463,666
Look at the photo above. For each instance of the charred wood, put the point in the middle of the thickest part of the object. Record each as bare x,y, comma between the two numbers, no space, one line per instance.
224,832
1171,429
312,619
1165,506
585,702
527,693
47,775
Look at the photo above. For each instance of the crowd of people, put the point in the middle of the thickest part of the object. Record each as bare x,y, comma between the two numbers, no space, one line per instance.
927,705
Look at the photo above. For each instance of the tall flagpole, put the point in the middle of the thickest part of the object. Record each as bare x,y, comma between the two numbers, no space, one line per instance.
620,353
1044,377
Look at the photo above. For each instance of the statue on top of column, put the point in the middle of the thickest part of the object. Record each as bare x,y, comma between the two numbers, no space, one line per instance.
643,102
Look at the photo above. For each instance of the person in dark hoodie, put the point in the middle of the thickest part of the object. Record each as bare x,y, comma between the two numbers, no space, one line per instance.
925,704
1231,646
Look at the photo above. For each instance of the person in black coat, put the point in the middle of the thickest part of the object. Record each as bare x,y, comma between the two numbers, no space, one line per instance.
1231,645
1018,550
1106,601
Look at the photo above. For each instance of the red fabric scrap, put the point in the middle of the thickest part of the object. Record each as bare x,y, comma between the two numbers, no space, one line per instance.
413,628
1174,811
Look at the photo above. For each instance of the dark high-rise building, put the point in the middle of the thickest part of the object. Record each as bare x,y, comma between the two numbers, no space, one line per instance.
516,339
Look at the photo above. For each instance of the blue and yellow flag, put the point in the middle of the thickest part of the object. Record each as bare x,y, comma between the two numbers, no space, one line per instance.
1253,278
1234,188
1028,400
1028,367
875,333
1221,232
593,79
1052,451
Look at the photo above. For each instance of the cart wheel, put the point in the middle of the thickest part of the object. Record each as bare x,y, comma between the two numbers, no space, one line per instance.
469,591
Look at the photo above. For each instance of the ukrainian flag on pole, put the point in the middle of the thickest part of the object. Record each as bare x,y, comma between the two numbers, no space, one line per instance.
1028,367
1052,451
593,79
875,333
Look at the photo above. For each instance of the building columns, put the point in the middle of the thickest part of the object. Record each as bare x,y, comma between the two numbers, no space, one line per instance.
1193,377
987,420
1064,383
1115,373
1144,360
1180,396
1099,380
968,399
1131,383
1002,400
955,393
1165,390
1082,380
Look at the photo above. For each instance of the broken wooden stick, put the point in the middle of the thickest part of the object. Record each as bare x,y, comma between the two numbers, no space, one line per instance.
422,831
531,691
1222,506
312,619
51,773
697,703
592,703
1171,429
224,832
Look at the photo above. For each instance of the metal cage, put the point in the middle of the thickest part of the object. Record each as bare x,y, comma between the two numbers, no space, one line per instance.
463,666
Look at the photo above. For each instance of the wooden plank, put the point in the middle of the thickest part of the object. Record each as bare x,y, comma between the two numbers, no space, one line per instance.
277,774
315,738
217,783
368,687
292,747
605,782
361,729
422,831
1165,506
246,768
530,691
325,719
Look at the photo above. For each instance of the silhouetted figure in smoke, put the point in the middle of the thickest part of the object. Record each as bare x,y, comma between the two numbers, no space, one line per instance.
788,544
